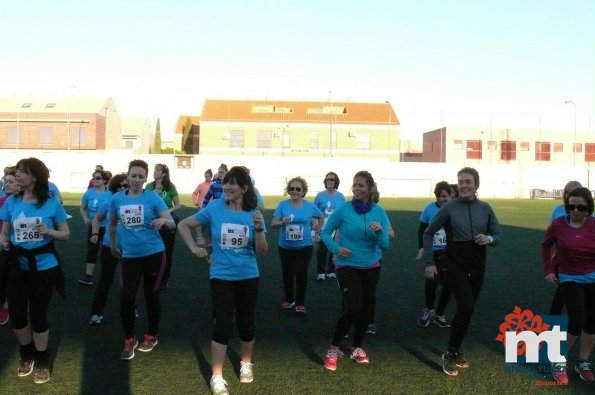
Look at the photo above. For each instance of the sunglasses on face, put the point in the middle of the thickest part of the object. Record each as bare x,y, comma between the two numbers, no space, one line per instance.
296,189
580,207
329,179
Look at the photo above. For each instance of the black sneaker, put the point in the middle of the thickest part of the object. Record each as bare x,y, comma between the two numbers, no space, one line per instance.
461,362
87,280
449,363
371,329
25,367
42,375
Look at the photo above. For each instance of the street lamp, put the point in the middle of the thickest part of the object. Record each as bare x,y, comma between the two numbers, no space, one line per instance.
574,145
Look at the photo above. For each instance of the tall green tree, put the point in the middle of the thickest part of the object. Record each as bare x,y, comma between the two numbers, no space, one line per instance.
157,142
187,129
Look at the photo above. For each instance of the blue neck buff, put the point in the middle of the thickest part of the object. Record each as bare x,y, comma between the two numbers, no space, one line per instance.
360,207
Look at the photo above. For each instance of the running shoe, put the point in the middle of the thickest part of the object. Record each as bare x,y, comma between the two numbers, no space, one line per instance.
358,355
332,355
449,363
441,321
219,386
287,305
320,277
4,315
461,362
25,367
95,319
300,309
246,374
583,368
130,345
426,316
559,373
331,275
148,343
136,314
41,375
87,280
371,329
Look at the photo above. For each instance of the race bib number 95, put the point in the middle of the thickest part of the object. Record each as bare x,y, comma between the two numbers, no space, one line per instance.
234,235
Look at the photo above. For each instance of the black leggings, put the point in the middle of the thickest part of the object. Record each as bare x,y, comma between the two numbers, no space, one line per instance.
432,285
168,236
230,296
3,275
580,303
465,288
150,269
324,260
27,303
295,271
92,249
108,270
358,287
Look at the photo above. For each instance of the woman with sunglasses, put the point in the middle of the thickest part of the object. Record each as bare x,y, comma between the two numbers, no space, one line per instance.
574,238
138,215
108,261
296,218
470,225
92,199
32,220
166,189
327,201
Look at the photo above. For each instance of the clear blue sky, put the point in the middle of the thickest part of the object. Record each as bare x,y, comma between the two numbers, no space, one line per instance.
459,62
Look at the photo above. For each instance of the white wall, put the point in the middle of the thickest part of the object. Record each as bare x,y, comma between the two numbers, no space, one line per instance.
72,171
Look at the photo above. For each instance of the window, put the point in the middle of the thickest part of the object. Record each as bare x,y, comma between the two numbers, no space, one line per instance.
589,152
236,138
286,139
558,147
473,149
492,146
183,162
264,139
50,105
77,137
508,150
26,105
128,143
313,140
578,147
542,151
525,146
362,141
457,144
45,135
12,135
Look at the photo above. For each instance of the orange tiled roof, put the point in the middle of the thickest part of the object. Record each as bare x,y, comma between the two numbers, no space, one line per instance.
301,111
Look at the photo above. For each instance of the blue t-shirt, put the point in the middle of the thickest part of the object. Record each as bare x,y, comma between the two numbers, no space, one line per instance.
92,200
298,233
232,232
135,214
326,203
259,200
104,211
22,217
54,192
439,242
558,211
365,245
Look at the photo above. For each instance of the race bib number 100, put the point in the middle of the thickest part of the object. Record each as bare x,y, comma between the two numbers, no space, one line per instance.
25,229
234,235
132,215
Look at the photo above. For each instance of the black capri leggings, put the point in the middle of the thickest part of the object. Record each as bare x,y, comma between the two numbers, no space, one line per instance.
93,249
580,303
229,296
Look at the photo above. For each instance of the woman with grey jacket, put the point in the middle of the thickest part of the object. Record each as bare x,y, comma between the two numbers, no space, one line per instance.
470,225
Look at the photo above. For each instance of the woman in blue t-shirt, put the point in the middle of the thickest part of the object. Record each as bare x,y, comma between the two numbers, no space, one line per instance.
32,220
238,233
296,219
139,215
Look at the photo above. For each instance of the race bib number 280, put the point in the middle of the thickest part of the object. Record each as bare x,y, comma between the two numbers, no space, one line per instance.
25,229
132,215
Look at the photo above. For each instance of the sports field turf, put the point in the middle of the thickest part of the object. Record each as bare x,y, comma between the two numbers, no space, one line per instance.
404,358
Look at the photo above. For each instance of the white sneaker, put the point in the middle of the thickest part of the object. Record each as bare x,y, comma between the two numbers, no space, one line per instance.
246,375
95,319
219,386
331,275
321,277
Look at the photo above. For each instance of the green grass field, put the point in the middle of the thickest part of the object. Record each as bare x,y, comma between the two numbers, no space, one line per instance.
289,348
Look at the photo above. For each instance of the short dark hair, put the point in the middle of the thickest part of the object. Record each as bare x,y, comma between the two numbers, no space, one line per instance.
138,163
474,173
337,181
585,194
442,186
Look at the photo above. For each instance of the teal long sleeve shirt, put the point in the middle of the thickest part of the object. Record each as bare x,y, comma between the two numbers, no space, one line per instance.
365,245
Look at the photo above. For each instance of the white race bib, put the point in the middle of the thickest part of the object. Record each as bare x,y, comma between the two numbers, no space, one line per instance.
132,215
25,229
234,235
294,232
439,238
